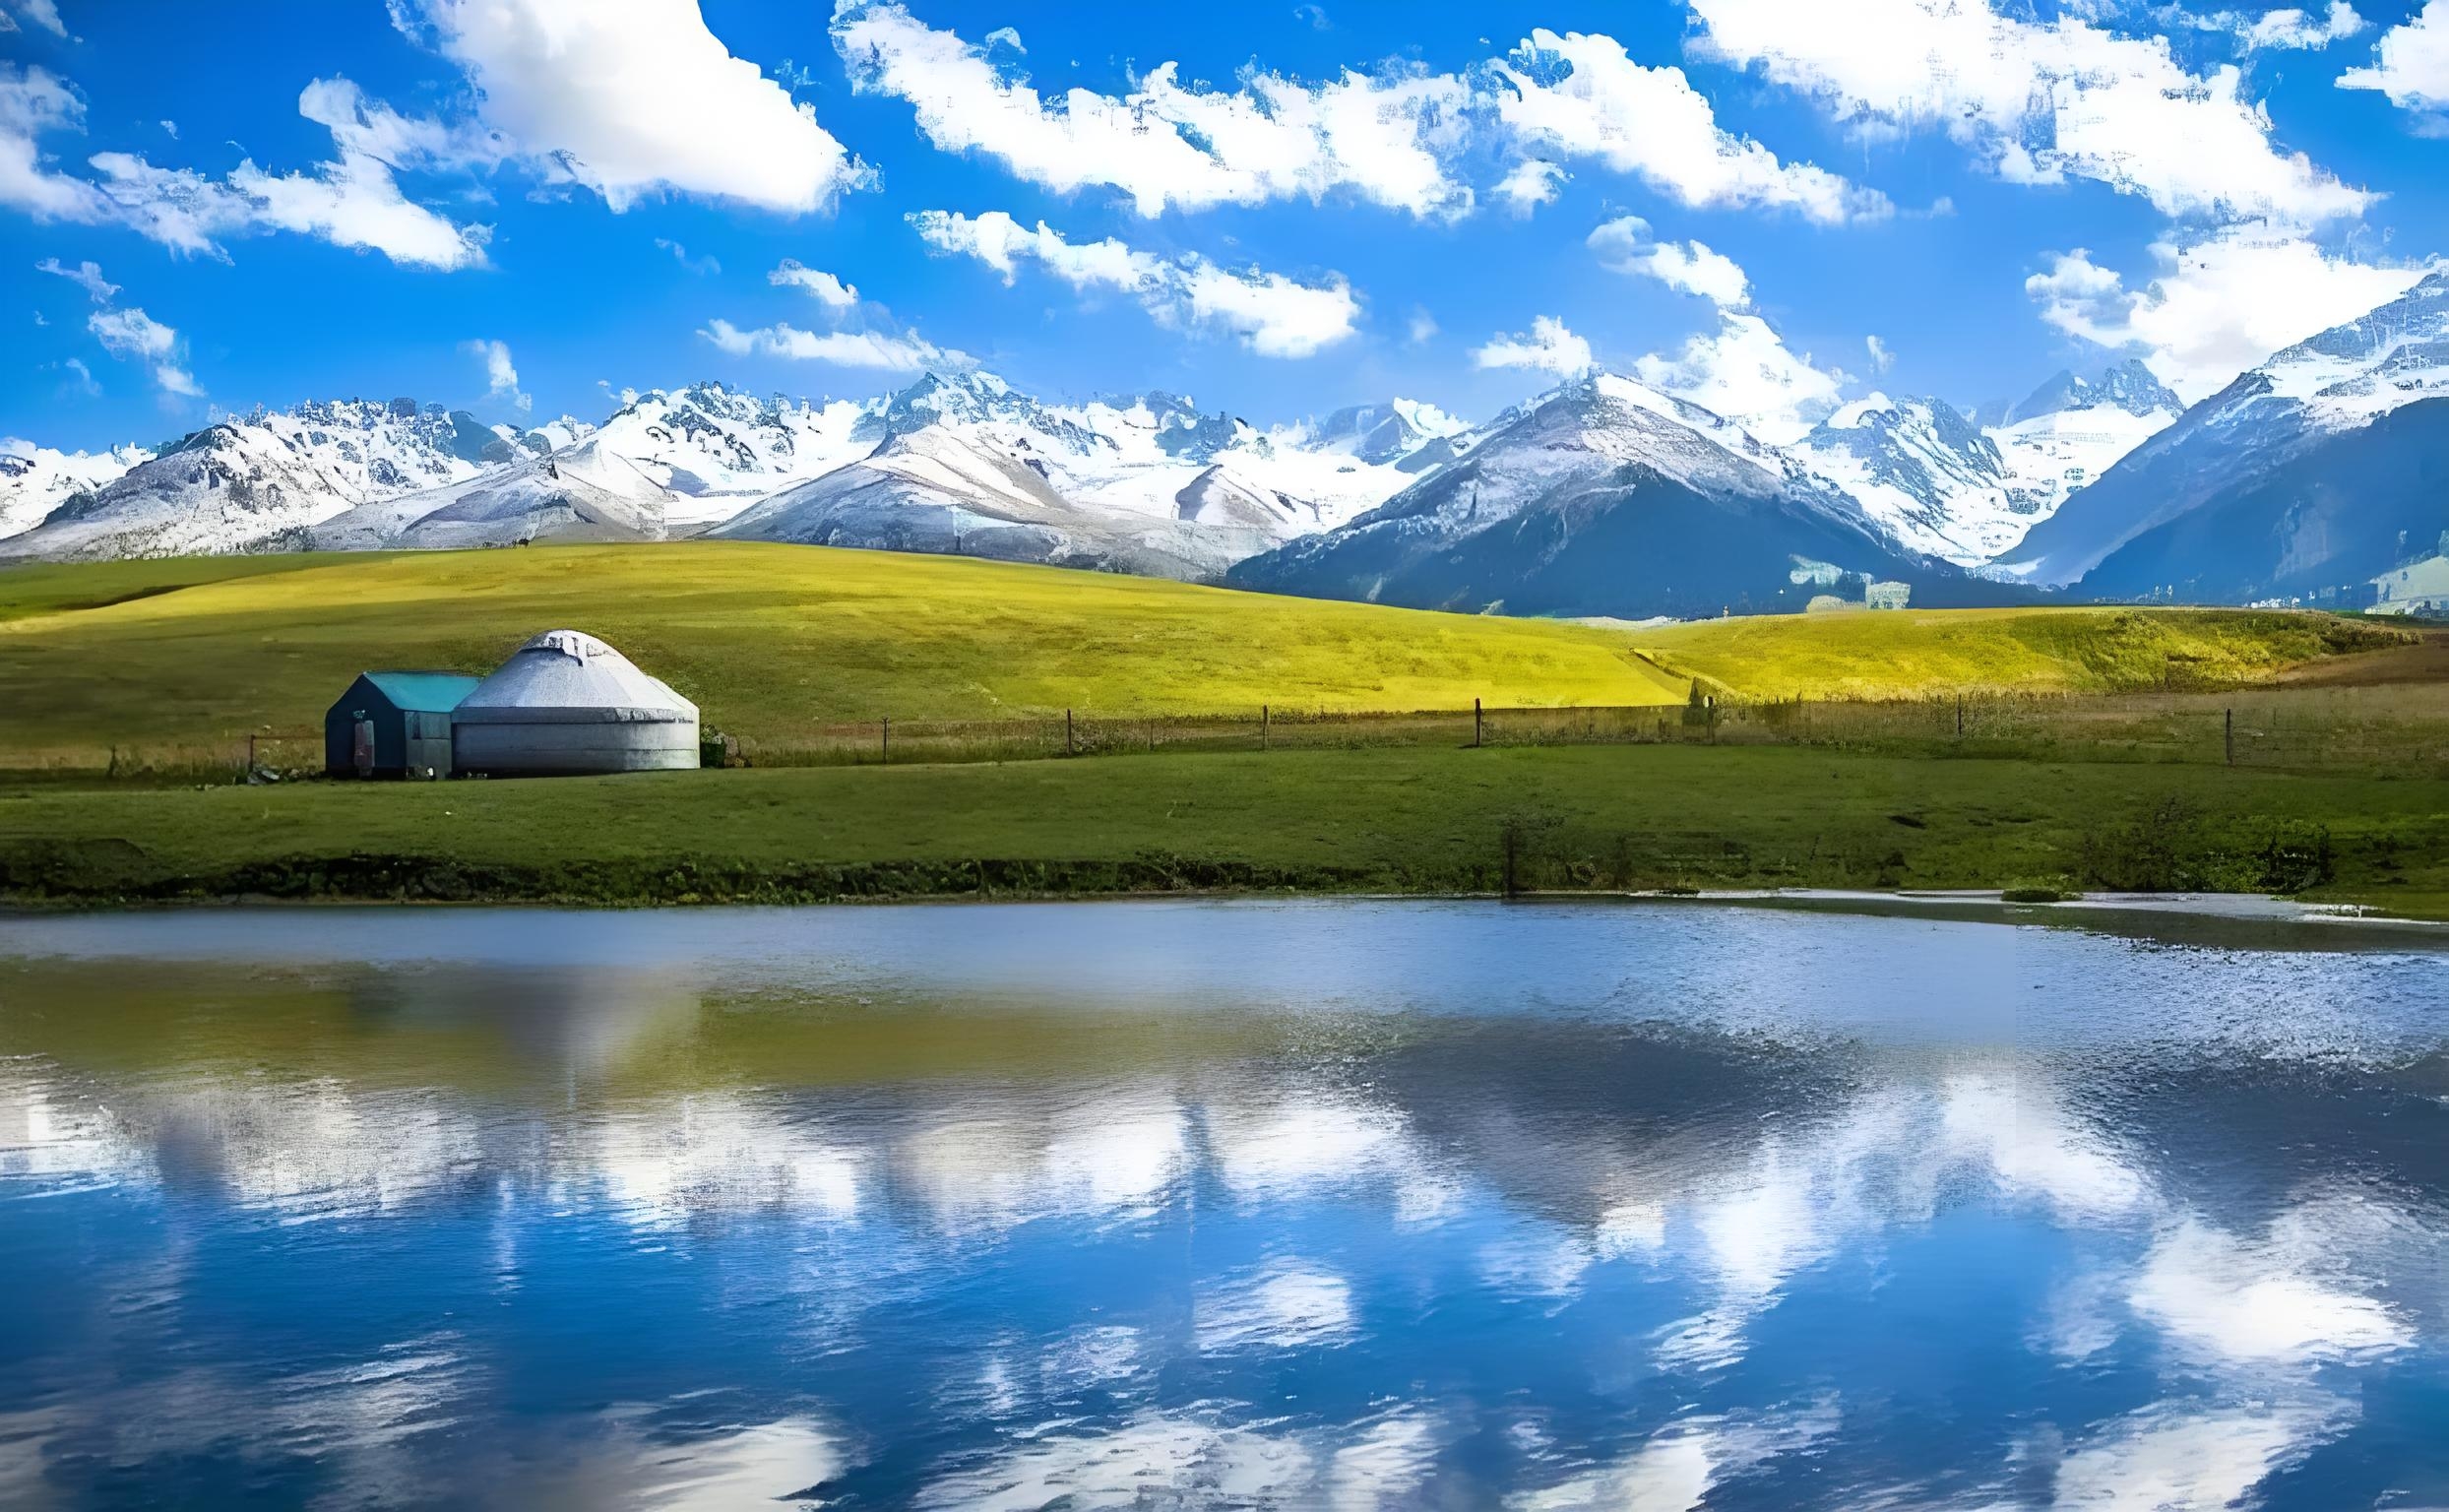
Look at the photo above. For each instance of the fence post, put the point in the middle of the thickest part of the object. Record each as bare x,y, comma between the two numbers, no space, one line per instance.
1960,715
1068,747
2227,736
1475,746
1261,726
888,739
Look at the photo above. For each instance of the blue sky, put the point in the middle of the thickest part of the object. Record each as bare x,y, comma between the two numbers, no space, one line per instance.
1317,205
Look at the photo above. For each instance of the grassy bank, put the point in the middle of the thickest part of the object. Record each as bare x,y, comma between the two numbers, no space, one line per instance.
171,665
1417,820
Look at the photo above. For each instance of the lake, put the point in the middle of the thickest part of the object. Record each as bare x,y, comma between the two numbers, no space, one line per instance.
1306,1204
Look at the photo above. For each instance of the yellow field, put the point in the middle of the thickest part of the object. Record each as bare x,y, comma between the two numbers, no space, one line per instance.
1910,654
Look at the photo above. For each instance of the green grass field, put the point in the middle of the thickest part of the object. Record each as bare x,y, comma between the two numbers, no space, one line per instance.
764,638
173,663
1378,820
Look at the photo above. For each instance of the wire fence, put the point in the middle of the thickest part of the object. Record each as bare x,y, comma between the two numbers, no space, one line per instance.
2378,729
2401,727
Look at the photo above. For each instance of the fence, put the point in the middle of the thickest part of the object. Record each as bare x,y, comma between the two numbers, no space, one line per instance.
2376,729
2402,728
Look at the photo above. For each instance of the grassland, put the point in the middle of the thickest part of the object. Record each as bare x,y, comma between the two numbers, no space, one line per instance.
173,663
1866,655
1383,820
765,638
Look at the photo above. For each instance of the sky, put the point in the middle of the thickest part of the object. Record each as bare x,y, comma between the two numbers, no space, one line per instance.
527,207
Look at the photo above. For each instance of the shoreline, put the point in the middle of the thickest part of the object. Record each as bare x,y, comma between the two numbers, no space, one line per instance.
1959,904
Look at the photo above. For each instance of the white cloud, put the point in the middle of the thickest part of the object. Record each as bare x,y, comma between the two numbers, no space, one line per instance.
43,13
706,265
2038,103
1531,183
1548,348
132,334
1384,137
353,201
1625,245
1274,315
87,275
169,128
1744,370
1583,95
1420,328
817,284
2410,62
2239,1302
842,349
635,98
2217,305
84,383
1881,358
501,375
2285,31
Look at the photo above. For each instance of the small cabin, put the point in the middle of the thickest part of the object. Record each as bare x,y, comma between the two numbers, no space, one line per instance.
393,724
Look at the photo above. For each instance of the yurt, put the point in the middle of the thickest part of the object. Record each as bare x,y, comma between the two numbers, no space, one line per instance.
566,703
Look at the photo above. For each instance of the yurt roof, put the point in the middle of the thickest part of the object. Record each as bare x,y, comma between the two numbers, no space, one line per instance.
424,692
569,677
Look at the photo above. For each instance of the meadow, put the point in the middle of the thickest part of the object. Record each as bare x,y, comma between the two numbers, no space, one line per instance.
168,667
2049,750
1392,820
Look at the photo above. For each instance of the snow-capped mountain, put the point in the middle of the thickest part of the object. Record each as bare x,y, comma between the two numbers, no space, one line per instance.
1602,496
531,500
36,479
1148,485
256,484
1387,432
1950,487
705,453
2296,477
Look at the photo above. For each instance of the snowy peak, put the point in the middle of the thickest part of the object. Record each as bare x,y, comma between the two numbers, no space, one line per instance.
34,480
1385,432
2129,387
2353,374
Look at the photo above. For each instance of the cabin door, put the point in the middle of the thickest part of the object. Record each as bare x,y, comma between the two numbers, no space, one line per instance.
361,748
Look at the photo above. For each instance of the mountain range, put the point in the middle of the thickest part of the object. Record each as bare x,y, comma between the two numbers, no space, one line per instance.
2304,477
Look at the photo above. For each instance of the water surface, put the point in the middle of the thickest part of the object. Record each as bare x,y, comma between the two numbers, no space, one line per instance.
1322,1204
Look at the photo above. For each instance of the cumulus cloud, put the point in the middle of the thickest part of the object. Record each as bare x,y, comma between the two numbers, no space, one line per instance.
1548,348
1384,137
1274,315
131,334
891,352
87,275
2292,30
352,202
2037,103
2410,62
501,375
1744,370
1625,245
1583,95
633,99
1881,358
2215,305
819,286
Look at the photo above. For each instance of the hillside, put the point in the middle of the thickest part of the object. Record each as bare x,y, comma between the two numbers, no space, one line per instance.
765,639
2075,649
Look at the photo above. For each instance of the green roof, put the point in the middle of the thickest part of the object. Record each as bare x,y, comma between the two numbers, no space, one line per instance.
424,692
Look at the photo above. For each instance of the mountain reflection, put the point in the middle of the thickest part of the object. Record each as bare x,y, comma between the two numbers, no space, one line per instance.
1631,1221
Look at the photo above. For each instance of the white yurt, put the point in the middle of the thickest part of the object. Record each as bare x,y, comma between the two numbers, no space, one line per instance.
567,703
